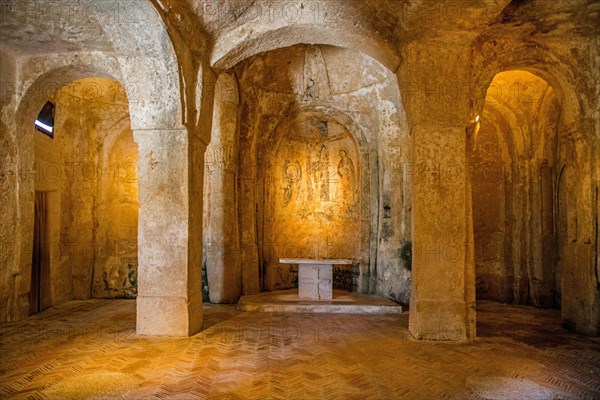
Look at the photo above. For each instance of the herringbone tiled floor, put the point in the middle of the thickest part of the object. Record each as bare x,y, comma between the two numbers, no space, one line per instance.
88,349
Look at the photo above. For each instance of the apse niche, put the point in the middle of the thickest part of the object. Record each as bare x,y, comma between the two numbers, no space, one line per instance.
313,199
321,141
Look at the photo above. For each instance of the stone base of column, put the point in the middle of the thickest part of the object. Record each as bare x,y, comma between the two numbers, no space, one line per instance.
224,273
169,316
441,320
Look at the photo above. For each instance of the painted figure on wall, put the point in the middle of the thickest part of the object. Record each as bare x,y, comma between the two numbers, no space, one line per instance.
317,173
313,164
345,170
292,175
324,173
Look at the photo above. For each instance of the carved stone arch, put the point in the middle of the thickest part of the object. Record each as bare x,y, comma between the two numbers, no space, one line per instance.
516,106
234,46
564,86
37,92
148,63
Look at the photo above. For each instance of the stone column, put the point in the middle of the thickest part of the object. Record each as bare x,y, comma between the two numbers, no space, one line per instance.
578,246
169,301
434,84
221,233
247,168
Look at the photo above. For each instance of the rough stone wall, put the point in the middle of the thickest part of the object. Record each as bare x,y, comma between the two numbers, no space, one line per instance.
313,198
77,128
324,85
30,80
116,214
98,234
12,290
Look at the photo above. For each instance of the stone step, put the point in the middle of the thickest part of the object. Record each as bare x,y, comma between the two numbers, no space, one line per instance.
342,302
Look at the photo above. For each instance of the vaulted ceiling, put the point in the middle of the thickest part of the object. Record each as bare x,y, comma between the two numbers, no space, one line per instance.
231,30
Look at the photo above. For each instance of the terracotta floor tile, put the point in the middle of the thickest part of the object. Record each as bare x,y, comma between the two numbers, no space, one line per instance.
88,349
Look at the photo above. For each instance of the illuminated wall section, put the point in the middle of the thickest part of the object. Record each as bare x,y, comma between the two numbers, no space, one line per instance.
313,198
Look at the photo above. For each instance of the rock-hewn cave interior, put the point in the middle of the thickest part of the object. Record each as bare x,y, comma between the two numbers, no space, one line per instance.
179,175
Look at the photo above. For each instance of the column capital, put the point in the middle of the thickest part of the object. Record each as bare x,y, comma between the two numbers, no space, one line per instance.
434,81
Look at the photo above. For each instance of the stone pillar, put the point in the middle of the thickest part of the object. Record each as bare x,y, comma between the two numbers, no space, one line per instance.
578,245
169,301
221,233
434,84
247,198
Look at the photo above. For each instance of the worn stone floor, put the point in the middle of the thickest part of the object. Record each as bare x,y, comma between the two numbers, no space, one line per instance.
88,349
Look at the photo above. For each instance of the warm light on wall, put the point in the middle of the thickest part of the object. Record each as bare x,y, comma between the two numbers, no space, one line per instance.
477,118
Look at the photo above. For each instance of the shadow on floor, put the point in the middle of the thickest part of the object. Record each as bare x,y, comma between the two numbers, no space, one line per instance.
540,328
214,314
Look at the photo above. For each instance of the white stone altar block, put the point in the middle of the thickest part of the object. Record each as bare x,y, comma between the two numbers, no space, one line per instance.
315,281
315,277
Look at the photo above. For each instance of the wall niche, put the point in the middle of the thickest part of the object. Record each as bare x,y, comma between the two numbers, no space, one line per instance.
313,199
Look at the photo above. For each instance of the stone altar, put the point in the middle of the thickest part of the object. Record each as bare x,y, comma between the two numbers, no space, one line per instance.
315,276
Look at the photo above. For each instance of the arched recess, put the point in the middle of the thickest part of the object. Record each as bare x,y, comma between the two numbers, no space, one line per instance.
221,245
554,136
277,88
92,112
316,189
511,168
29,104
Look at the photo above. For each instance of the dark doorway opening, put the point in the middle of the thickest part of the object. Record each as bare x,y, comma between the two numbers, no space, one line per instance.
39,294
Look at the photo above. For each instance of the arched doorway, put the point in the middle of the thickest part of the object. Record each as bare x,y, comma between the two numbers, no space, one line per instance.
145,62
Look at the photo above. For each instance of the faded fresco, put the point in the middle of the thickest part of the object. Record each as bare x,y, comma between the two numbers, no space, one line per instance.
314,193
